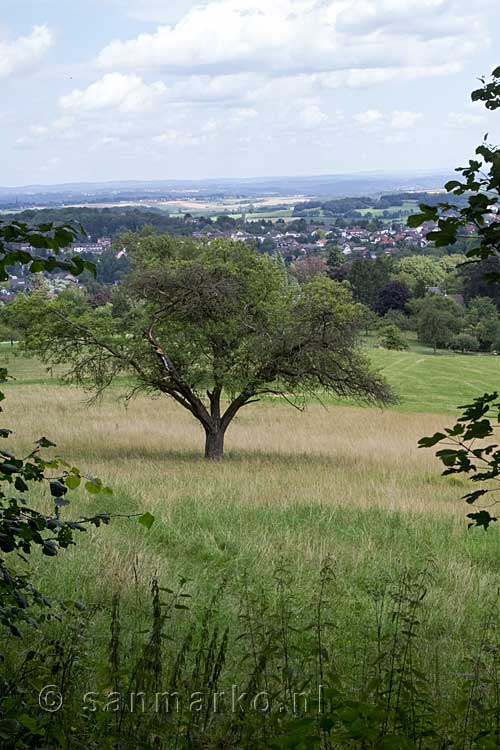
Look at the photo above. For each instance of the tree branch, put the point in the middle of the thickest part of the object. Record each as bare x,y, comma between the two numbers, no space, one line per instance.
181,392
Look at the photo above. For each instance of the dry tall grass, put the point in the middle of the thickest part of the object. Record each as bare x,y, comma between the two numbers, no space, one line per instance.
337,456
347,482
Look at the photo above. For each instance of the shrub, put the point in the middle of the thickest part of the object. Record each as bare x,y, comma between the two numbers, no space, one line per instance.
392,338
464,342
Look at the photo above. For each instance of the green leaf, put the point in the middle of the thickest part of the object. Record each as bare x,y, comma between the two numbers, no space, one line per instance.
8,728
37,266
147,520
448,456
29,722
416,220
72,482
478,430
93,486
49,548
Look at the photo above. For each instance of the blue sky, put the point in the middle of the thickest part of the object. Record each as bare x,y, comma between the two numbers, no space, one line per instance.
152,89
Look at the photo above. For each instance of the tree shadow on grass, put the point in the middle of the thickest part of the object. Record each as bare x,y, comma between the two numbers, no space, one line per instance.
231,458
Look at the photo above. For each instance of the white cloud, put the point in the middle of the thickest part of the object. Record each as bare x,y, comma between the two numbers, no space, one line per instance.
401,120
36,133
398,120
312,116
464,120
234,118
212,126
308,36
125,93
259,87
369,119
214,88
241,115
62,124
425,17
177,138
365,77
194,131
39,130
24,52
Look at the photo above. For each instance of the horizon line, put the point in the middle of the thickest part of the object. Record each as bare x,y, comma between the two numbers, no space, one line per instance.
131,181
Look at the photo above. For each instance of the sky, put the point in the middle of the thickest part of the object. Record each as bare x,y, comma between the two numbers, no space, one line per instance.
95,90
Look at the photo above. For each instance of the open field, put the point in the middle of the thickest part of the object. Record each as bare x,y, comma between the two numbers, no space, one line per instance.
424,382
270,205
408,206
295,488
427,382
278,213
345,480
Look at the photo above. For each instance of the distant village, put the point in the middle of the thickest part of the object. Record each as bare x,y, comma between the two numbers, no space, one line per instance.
352,240
294,238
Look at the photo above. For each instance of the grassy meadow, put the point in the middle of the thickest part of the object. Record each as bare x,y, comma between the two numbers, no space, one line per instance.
336,479
342,482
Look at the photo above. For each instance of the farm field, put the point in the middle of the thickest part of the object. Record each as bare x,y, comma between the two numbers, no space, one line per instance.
409,206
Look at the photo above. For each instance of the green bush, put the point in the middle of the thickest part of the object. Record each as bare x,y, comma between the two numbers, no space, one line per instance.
464,342
392,338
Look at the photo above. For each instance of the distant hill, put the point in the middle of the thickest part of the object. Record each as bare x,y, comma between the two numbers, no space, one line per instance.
324,186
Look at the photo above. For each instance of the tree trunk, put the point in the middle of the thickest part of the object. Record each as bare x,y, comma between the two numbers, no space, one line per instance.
214,444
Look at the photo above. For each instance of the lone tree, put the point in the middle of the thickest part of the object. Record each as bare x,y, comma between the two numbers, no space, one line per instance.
214,326
438,319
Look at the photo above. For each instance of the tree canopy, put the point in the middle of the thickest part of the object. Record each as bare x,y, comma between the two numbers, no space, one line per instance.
438,319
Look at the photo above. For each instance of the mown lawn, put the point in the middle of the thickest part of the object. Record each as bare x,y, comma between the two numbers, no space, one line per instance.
427,382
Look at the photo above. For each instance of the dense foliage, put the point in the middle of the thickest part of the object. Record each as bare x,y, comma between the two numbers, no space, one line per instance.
22,527
107,222
461,453
19,241
286,673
